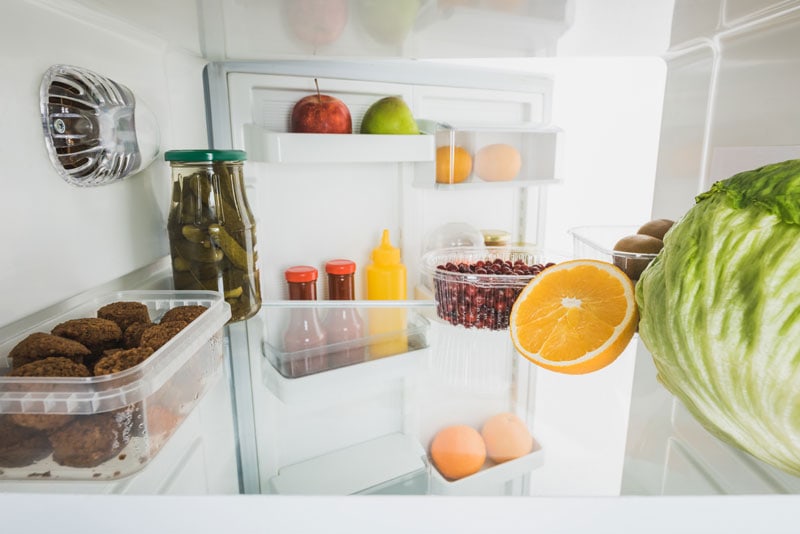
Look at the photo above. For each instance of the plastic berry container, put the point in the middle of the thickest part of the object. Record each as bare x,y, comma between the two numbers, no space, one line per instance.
475,287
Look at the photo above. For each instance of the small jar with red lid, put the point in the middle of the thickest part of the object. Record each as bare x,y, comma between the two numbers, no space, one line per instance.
302,282
343,325
304,339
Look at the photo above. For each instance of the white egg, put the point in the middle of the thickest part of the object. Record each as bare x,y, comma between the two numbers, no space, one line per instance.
498,163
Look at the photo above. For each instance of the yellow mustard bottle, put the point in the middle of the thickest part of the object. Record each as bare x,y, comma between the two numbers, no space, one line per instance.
386,280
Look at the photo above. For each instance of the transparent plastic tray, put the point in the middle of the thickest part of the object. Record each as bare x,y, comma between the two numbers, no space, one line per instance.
477,300
132,412
491,475
388,329
597,242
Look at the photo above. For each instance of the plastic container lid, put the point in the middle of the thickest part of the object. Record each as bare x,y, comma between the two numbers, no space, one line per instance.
340,267
454,234
301,273
496,238
385,253
202,155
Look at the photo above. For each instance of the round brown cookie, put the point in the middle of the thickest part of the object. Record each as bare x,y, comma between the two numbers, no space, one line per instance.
95,333
47,367
90,440
132,337
125,313
39,345
183,313
119,360
157,335
21,446
54,366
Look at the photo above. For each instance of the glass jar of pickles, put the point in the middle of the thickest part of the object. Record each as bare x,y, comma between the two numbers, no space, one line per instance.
212,233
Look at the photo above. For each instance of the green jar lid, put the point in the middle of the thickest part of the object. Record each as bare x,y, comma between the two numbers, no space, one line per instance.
193,156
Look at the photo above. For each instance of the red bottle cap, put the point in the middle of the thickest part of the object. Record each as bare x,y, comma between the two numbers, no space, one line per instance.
301,273
340,267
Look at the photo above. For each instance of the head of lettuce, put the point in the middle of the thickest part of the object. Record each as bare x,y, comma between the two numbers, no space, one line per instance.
720,312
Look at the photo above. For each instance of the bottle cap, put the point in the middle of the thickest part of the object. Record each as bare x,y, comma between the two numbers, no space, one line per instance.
340,267
202,155
385,253
301,273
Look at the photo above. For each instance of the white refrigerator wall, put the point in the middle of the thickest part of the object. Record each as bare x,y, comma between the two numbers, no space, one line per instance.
61,239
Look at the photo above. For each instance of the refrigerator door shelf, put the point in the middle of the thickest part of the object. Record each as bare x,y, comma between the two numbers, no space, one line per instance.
495,157
332,385
267,146
362,468
376,355
491,475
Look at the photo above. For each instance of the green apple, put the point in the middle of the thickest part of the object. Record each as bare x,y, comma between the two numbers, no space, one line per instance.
389,115
388,21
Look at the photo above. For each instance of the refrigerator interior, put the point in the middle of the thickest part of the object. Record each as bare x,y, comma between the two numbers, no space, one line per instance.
648,110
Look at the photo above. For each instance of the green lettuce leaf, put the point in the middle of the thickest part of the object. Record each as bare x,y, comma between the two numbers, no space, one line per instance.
720,312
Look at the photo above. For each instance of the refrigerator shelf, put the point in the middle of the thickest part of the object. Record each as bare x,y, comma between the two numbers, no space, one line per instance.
368,467
480,157
489,475
329,370
268,146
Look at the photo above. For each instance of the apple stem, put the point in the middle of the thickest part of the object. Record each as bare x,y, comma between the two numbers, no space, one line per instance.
319,96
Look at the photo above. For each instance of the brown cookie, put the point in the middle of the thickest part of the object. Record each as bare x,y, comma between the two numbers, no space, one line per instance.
47,367
157,335
39,345
90,440
132,337
95,333
21,446
183,313
119,360
54,366
125,313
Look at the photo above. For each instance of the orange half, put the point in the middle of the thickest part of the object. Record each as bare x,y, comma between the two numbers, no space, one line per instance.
575,317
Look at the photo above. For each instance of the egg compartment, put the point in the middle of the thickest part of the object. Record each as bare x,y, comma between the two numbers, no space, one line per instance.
597,242
484,156
491,476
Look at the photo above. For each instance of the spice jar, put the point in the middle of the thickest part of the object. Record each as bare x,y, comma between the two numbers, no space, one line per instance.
343,325
212,232
304,339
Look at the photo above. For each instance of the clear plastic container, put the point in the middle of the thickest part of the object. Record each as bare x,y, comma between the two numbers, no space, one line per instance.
597,242
119,421
474,299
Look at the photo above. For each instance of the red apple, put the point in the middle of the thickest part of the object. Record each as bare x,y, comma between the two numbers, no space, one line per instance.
317,22
321,114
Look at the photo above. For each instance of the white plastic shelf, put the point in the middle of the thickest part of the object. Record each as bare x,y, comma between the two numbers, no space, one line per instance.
267,146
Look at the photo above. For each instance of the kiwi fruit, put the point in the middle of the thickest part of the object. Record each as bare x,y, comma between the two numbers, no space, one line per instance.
656,228
636,244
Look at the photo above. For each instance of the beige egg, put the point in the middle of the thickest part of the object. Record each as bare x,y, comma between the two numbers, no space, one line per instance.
498,163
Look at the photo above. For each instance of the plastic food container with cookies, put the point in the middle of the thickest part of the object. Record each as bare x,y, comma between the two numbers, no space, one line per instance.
93,393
